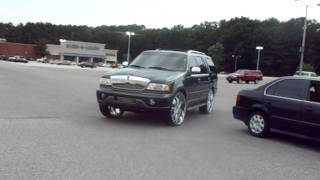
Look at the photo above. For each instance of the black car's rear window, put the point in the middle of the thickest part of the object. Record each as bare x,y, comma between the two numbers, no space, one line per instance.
288,88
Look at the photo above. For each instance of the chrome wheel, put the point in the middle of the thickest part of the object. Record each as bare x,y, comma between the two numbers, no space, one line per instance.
110,111
178,109
210,101
257,124
209,105
115,112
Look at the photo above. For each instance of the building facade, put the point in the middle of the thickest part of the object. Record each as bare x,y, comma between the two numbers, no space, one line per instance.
77,51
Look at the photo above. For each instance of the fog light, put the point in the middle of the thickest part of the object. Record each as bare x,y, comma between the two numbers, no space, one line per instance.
103,95
152,102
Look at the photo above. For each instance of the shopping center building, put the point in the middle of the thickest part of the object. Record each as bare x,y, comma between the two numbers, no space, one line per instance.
77,51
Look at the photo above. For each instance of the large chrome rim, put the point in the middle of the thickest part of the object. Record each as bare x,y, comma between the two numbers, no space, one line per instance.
178,109
115,112
210,101
257,123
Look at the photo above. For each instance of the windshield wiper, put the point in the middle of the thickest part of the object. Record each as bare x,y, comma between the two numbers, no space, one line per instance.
160,68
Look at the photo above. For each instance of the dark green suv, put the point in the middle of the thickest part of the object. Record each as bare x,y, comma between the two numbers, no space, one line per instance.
159,80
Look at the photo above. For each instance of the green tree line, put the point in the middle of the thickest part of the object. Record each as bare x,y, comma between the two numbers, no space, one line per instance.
237,36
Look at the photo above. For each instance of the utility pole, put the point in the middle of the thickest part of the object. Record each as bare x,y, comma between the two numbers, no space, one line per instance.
259,48
235,61
129,42
305,26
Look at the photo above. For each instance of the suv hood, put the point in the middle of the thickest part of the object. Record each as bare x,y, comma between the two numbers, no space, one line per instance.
160,76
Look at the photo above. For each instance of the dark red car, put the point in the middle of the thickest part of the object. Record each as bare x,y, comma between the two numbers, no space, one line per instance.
245,75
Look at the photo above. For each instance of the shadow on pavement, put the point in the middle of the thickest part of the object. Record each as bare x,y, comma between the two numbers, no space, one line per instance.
150,119
288,139
298,141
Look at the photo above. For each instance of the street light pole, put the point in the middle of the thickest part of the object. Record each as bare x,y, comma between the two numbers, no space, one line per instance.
259,48
303,40
305,26
129,42
236,61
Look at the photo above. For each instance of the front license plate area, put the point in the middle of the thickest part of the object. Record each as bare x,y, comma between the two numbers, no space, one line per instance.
125,100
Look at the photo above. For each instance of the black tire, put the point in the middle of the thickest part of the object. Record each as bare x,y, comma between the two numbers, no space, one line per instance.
258,124
238,81
247,82
173,120
206,109
230,81
106,110
255,81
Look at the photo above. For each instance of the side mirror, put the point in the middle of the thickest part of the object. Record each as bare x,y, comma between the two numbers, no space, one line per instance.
125,63
195,70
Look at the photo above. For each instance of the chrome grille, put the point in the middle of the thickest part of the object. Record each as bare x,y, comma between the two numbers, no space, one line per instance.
128,86
129,82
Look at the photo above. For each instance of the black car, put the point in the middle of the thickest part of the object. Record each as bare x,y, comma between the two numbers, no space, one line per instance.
87,64
289,104
18,59
158,80
2,57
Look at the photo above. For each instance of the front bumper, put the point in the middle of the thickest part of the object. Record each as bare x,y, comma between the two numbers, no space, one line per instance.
135,101
240,113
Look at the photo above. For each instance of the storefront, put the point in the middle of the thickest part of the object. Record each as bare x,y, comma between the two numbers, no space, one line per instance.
77,51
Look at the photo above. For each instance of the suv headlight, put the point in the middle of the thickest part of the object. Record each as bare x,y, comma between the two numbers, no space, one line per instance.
159,87
105,81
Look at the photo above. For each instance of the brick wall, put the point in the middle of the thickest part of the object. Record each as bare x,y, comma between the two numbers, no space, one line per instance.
17,49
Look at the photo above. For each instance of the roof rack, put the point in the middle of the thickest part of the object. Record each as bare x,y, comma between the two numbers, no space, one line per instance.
196,52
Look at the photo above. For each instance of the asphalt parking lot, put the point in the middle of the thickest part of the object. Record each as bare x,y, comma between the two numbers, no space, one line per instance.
50,128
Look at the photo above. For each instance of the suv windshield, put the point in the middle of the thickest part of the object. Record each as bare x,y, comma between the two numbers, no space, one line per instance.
302,73
161,60
240,72
314,75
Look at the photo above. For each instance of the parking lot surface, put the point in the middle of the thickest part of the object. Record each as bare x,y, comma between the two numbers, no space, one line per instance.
50,128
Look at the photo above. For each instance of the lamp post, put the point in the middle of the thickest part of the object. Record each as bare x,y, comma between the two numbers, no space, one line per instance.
129,41
235,61
259,48
62,41
305,26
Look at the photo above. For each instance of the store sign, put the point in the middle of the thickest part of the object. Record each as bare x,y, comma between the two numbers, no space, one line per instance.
83,47
110,54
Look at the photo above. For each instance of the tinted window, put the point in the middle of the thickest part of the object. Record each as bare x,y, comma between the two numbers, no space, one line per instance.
209,61
271,89
203,66
210,64
314,92
314,75
290,88
213,69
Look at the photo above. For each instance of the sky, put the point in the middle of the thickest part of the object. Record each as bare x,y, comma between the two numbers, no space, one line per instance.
151,13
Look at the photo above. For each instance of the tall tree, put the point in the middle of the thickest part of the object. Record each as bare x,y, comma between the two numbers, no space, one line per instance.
216,52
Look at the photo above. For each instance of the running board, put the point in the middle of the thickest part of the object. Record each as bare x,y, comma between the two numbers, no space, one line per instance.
196,106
